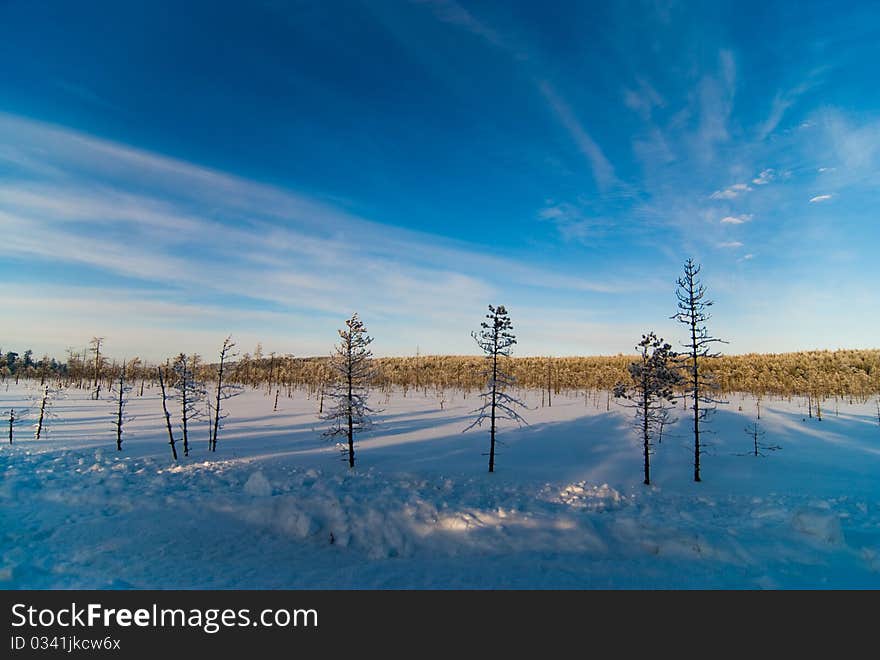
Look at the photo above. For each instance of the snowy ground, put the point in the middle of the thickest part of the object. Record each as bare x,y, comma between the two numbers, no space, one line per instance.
565,509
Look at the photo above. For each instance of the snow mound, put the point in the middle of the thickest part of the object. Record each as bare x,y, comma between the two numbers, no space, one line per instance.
257,485
820,523
582,495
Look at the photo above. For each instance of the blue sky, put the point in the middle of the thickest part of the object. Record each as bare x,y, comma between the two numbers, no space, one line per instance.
171,174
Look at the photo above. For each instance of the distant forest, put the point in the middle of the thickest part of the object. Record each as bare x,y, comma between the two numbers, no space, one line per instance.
851,374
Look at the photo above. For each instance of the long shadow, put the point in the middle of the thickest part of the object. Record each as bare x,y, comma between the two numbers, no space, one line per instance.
398,428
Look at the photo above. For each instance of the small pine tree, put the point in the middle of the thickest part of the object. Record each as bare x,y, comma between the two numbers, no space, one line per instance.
351,373
759,447
496,341
224,392
119,394
654,376
693,312
190,393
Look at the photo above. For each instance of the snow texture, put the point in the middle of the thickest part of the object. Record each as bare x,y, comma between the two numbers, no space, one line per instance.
274,507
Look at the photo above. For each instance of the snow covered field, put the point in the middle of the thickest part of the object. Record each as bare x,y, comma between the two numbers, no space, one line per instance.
565,509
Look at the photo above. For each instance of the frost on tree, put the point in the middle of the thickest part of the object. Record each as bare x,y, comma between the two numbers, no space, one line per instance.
651,391
693,312
496,340
351,372
190,393
223,392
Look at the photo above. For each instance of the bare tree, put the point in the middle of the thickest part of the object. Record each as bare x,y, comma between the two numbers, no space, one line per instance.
15,416
664,419
190,392
651,393
693,312
163,372
549,382
223,392
496,340
351,372
96,343
759,447
120,391
323,387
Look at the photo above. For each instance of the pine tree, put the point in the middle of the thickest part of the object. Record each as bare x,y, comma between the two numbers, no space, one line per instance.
224,392
496,340
759,447
119,396
351,373
190,392
651,392
693,313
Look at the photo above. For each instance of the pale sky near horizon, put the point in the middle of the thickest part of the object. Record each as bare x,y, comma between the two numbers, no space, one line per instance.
171,173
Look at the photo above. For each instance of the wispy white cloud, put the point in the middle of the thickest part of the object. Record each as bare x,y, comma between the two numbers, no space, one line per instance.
452,13
856,147
731,244
765,177
780,104
643,99
736,219
820,198
784,100
603,172
731,192
449,11
144,220
715,94
573,223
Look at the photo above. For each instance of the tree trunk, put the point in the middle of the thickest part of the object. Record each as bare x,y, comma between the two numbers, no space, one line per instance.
212,445
119,405
696,377
167,414
492,412
646,437
549,384
184,414
350,421
42,412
